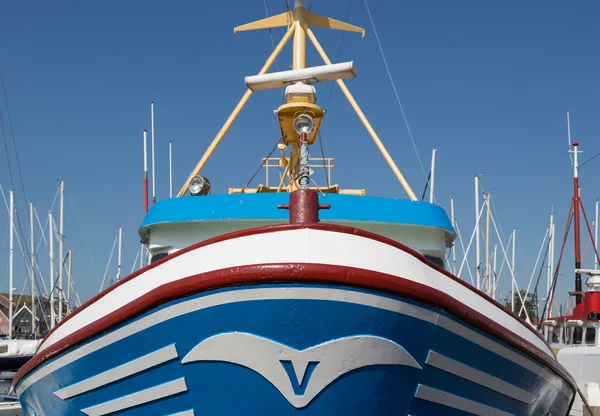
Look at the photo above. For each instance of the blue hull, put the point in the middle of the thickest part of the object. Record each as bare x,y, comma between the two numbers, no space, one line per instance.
291,349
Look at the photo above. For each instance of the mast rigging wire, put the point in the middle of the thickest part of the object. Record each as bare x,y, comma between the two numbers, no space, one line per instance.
395,91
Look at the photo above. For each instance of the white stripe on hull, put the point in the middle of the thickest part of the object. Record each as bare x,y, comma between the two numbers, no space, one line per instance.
185,413
479,377
222,298
456,402
283,293
323,247
141,397
133,367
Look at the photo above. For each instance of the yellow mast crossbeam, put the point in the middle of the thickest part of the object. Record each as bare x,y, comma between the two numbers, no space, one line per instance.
364,120
236,111
279,20
314,19
309,18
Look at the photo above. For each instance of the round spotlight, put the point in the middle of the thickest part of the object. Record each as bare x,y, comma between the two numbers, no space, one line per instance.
303,124
199,185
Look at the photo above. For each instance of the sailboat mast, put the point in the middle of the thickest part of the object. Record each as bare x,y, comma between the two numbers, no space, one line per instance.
152,146
576,220
477,255
61,230
596,235
119,255
51,243
487,246
32,271
10,263
431,188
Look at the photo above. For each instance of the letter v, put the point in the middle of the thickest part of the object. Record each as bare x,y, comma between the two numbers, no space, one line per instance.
299,379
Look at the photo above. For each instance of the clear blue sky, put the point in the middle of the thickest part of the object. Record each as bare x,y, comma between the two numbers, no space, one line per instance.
487,83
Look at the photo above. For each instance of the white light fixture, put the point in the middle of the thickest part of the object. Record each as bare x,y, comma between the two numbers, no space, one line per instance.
307,75
303,124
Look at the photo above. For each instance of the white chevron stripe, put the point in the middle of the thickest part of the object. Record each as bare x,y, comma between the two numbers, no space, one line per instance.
141,397
278,293
456,402
184,413
133,367
479,377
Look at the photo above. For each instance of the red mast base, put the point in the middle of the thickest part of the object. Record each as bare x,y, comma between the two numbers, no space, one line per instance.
304,207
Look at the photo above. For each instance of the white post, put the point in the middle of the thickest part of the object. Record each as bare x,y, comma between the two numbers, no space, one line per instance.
170,170
477,254
550,256
596,236
454,227
431,188
51,242
69,280
552,252
152,139
61,231
494,275
487,246
512,291
119,256
10,262
142,256
32,271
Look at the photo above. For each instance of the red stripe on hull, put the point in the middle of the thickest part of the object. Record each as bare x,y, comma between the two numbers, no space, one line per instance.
225,278
292,273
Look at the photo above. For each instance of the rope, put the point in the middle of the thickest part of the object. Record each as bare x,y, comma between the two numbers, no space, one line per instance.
540,273
273,46
304,179
261,165
589,160
555,277
108,264
323,157
395,91
426,185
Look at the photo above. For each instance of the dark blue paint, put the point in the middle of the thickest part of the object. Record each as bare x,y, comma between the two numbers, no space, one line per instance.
264,207
229,389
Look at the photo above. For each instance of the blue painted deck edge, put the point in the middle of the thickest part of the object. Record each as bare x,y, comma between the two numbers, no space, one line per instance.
264,206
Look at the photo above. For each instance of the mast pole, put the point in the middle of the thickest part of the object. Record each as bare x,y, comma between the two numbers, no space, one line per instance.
550,256
152,139
170,169
513,278
477,253
61,249
596,235
32,270
487,246
69,280
454,228
299,57
51,242
494,276
431,188
119,255
10,263
576,220
145,171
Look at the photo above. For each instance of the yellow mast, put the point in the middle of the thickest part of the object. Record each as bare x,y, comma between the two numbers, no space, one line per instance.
298,22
